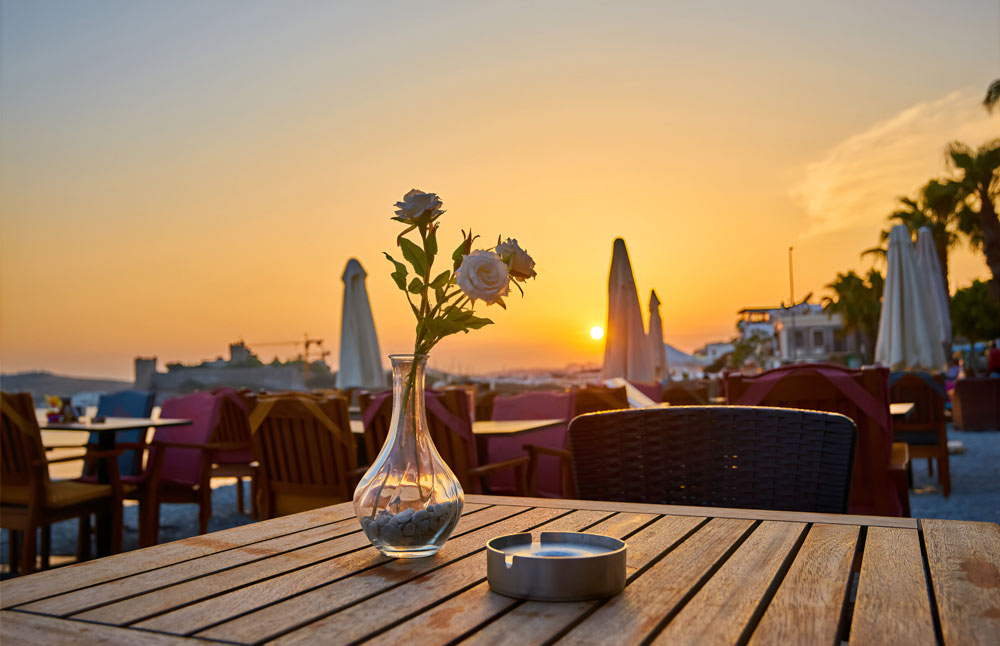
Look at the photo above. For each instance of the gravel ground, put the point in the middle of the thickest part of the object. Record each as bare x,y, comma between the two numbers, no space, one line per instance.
975,481
975,495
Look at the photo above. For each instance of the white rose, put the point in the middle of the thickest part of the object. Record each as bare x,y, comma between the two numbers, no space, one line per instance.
483,276
521,265
416,203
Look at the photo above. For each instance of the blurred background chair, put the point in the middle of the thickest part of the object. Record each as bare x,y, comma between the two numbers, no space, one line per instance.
678,395
306,453
234,428
594,399
718,456
449,423
128,403
924,430
178,465
880,482
544,447
975,405
30,500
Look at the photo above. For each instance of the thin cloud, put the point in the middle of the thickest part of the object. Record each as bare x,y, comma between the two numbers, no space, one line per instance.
857,181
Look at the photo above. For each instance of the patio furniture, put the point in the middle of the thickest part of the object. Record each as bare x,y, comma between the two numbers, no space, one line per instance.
545,471
449,422
234,428
924,428
306,453
653,389
594,399
696,575
30,500
975,404
879,484
717,456
680,396
128,403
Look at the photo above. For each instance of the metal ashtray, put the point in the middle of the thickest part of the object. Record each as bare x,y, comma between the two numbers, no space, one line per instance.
557,566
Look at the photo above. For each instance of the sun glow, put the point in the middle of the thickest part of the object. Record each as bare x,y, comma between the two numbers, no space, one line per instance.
597,333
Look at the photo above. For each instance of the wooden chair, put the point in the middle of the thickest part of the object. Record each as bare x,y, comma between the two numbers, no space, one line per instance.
234,428
924,430
30,500
546,475
596,399
451,431
716,456
178,465
879,483
677,395
589,399
306,453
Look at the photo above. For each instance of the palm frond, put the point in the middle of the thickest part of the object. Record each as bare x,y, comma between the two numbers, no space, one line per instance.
992,95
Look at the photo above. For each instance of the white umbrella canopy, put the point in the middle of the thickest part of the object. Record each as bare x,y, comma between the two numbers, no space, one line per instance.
360,358
656,345
907,335
626,347
927,259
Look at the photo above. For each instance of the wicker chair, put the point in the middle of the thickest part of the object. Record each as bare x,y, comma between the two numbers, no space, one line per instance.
718,456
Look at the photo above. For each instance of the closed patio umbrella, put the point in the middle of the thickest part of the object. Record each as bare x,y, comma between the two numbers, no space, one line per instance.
656,346
907,334
360,359
626,347
927,259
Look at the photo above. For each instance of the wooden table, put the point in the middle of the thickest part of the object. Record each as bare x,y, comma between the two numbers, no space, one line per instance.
901,409
695,575
107,431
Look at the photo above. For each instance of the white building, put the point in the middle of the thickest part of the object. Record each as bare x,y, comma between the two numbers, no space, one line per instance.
817,335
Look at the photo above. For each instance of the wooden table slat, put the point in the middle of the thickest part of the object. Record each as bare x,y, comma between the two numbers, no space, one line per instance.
808,606
357,621
190,606
893,606
721,610
52,582
535,622
712,512
285,614
475,606
630,617
26,629
964,561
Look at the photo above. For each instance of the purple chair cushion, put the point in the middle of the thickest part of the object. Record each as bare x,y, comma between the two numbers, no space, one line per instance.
185,466
531,405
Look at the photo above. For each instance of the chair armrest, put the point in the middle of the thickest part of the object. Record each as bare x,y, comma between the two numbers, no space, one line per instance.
565,468
228,446
186,445
534,450
81,456
519,465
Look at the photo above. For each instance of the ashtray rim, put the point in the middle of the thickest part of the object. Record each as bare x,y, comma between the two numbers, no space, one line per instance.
613,545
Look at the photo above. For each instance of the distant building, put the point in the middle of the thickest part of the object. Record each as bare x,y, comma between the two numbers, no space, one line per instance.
757,320
712,351
817,335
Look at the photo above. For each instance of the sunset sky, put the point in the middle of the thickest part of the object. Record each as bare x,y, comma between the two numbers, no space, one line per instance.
175,176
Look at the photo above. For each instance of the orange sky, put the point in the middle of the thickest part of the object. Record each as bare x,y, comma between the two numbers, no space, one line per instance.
177,177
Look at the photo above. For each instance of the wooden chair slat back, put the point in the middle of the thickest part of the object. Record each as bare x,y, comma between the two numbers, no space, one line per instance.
376,432
20,443
928,409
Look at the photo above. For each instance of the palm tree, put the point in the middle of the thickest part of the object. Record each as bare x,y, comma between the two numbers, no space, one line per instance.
978,184
936,207
992,95
858,302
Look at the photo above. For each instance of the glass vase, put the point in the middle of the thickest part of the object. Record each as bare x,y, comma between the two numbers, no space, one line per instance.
409,501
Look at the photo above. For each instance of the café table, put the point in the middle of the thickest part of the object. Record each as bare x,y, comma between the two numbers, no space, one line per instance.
901,409
107,430
695,575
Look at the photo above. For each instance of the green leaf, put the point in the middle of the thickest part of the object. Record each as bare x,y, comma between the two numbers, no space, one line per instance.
431,246
457,256
439,293
475,323
416,286
399,276
441,280
415,255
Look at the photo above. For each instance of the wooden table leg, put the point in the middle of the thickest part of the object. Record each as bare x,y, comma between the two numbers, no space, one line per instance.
105,442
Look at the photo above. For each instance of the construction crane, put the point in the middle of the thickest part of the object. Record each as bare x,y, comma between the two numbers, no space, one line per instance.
305,344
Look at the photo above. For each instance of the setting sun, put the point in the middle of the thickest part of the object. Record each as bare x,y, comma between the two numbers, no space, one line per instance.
597,333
